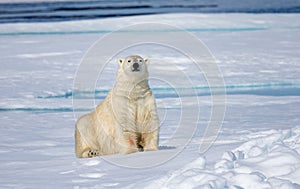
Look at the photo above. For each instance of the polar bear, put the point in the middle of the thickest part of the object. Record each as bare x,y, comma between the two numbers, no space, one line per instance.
126,120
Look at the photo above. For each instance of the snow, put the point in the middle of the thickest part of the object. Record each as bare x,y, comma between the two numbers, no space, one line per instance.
257,147
279,164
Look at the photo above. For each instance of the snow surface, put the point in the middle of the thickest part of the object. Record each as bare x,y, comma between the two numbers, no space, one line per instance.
258,145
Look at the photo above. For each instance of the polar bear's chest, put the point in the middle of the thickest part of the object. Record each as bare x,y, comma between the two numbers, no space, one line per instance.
132,113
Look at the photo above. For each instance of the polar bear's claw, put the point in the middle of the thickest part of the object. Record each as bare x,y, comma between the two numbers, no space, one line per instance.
92,153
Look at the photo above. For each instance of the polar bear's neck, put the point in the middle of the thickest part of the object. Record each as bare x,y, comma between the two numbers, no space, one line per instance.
131,89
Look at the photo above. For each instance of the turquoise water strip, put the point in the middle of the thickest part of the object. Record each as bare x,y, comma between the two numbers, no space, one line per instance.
267,89
85,32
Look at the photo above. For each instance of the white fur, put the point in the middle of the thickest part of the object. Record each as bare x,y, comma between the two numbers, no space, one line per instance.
125,121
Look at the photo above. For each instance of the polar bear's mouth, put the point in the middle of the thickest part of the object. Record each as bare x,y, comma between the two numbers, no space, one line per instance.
135,69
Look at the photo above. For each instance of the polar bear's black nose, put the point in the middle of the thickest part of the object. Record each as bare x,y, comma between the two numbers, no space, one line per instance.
136,66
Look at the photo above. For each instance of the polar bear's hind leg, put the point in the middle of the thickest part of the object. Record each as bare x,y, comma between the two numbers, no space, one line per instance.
84,144
82,150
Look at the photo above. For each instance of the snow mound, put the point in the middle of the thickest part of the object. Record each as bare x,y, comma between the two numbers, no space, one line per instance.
269,160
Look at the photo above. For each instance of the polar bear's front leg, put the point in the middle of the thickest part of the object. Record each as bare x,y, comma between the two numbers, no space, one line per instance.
150,135
150,127
130,144
150,141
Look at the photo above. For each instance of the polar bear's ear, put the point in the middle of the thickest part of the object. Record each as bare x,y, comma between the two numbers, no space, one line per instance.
120,61
146,60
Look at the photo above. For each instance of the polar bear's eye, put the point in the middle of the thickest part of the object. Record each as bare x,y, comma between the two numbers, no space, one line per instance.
141,60
128,61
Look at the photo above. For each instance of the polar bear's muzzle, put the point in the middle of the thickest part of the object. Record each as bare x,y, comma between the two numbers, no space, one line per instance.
135,67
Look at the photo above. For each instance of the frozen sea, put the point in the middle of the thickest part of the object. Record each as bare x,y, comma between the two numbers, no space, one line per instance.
258,145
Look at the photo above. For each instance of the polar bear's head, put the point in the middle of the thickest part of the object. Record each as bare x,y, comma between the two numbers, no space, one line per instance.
134,67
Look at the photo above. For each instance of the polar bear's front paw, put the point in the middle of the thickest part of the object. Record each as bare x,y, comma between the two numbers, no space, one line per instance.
141,145
151,148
